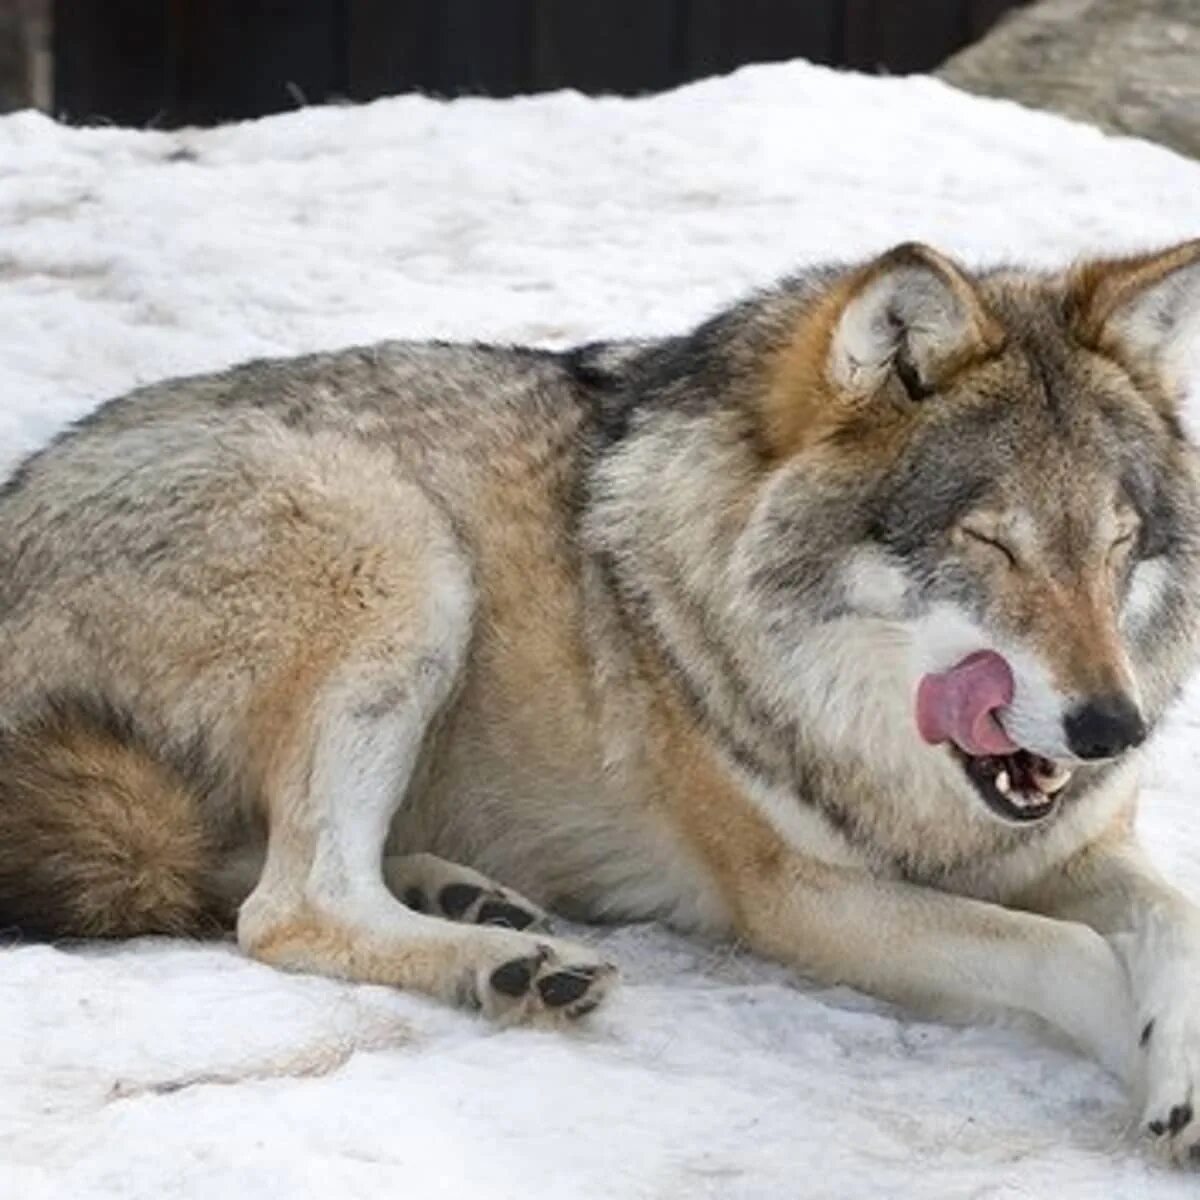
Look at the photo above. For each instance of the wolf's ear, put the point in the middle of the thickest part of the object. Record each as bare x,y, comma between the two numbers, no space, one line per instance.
911,313
1140,307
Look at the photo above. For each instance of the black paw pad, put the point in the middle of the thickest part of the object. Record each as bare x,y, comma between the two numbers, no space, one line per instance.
456,898
513,978
500,912
1147,1033
415,899
1179,1116
565,987
1157,1128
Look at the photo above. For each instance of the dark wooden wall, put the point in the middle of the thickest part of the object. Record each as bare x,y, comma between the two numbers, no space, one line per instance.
175,62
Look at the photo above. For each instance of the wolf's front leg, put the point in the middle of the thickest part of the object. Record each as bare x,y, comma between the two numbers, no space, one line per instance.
1155,930
940,952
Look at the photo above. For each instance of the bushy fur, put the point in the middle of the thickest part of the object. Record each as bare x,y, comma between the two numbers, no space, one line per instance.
636,628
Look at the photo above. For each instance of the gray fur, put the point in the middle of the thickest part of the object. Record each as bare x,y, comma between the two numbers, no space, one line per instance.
610,630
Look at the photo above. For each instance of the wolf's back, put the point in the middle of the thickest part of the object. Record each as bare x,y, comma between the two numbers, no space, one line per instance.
98,836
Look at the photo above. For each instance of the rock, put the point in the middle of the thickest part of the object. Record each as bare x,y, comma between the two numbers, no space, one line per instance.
1129,66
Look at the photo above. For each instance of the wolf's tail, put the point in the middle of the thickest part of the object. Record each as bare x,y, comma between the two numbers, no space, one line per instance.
98,838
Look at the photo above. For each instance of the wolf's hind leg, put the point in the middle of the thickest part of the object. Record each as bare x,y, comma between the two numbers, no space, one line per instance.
339,772
428,884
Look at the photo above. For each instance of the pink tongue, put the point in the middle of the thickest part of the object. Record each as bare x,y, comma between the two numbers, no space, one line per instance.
960,704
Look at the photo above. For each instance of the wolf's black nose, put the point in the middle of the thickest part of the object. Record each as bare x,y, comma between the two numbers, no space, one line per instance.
1105,727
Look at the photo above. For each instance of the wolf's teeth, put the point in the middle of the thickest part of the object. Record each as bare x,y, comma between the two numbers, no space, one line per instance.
1052,782
1003,785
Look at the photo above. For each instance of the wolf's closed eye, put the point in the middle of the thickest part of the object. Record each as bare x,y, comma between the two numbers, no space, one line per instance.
992,542
1124,545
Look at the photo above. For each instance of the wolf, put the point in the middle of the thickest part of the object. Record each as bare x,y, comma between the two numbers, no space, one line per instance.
837,625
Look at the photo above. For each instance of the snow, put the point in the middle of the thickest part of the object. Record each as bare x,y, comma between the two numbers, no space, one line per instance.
163,1069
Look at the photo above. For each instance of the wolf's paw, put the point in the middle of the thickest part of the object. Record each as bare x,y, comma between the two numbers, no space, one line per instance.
488,904
547,982
432,885
1170,1042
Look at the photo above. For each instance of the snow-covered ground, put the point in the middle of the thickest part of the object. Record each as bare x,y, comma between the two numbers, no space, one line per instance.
168,1070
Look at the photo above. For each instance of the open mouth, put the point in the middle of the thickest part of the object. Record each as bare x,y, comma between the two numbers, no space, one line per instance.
1020,786
962,709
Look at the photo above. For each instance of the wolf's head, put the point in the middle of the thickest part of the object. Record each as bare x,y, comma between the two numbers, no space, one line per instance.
980,501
